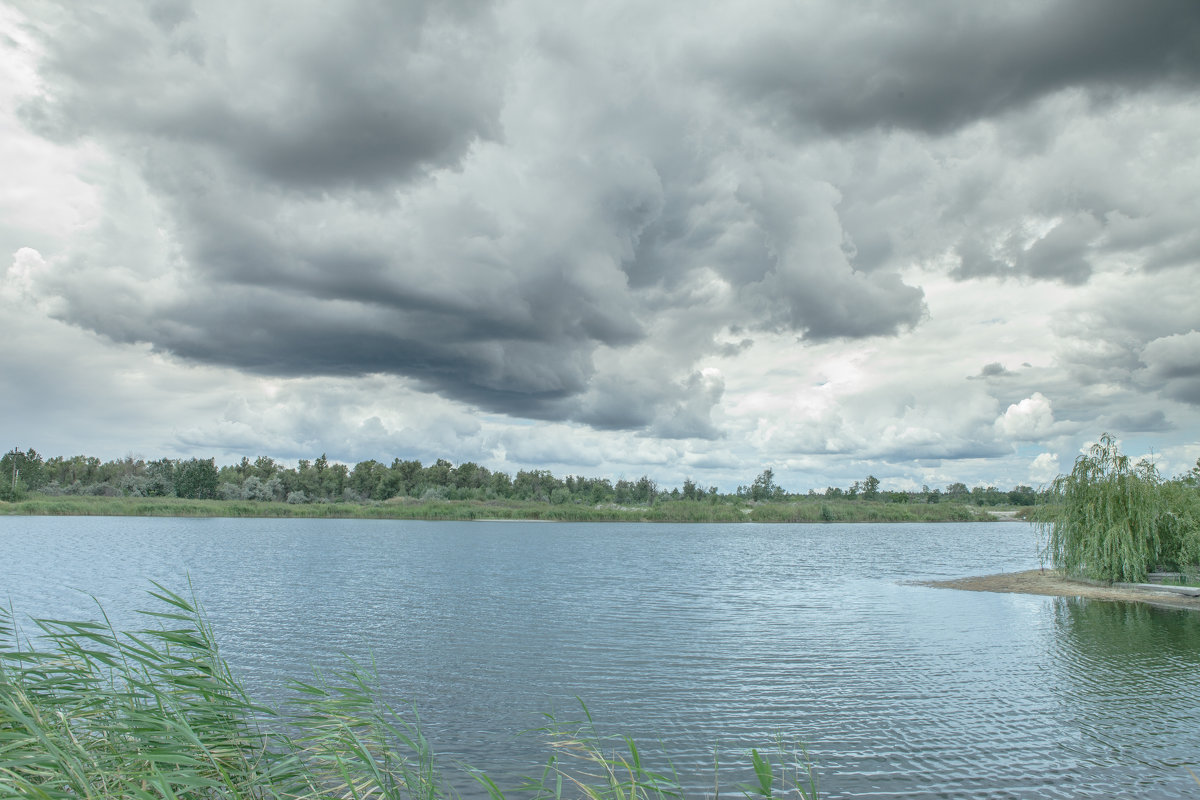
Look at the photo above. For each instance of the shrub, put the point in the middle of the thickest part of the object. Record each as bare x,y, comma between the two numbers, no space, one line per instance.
229,491
132,485
102,490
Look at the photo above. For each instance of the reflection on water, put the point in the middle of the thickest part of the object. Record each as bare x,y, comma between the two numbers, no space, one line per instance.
1126,686
702,636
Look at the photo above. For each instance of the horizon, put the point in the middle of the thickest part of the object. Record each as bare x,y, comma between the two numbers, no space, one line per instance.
663,488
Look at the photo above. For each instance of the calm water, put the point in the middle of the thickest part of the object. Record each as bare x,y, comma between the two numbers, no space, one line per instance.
698,635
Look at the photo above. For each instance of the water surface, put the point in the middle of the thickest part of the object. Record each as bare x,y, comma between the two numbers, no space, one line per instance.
698,635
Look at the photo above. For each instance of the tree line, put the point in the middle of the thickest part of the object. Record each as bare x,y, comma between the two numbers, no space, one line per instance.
323,481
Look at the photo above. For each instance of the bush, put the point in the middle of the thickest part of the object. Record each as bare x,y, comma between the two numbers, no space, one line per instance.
12,493
229,491
434,493
132,485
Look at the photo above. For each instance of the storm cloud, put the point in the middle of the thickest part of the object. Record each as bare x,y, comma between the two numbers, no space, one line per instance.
363,192
743,226
862,64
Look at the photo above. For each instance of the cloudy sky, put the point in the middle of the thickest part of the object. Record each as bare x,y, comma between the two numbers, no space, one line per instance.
931,242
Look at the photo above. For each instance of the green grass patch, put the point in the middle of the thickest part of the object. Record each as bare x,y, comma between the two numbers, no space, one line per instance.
806,510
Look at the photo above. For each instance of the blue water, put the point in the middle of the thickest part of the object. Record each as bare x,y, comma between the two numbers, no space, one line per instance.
695,636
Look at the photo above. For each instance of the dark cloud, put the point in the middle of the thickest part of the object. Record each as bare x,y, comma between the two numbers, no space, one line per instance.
952,449
572,219
1061,255
993,370
863,65
361,95
1173,366
310,191
1154,421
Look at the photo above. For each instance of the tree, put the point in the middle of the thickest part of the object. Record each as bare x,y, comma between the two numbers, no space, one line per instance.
501,484
197,479
764,487
644,491
870,488
535,485
19,469
1022,496
1105,522
407,475
265,467
602,490
437,475
160,478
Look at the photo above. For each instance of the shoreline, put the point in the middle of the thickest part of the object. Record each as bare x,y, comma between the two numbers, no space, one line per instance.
1052,583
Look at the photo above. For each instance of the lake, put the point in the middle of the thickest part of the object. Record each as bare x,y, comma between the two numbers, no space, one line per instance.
698,636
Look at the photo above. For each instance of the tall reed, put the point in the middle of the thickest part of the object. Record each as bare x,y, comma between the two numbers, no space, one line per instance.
90,712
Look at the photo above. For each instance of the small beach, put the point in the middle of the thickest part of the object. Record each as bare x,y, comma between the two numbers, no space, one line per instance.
1052,582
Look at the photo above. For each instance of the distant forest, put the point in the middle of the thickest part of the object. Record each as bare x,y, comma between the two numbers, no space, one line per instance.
322,481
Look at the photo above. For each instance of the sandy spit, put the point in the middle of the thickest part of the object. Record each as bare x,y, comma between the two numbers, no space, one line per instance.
1049,582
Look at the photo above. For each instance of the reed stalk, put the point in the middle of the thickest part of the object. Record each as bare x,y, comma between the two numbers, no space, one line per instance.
156,714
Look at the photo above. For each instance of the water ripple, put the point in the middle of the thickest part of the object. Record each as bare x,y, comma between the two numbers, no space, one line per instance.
701,636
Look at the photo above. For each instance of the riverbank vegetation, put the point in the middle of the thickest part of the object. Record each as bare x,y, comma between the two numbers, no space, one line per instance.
803,510
1114,520
442,490
90,712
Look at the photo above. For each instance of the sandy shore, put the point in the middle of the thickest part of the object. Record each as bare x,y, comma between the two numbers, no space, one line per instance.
1049,582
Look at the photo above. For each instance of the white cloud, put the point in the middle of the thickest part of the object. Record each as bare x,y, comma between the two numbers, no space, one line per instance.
1044,468
27,265
1029,420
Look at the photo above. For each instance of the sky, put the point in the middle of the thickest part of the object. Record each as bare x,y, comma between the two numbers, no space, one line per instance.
930,242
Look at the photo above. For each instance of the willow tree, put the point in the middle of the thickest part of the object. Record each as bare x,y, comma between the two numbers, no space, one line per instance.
1105,515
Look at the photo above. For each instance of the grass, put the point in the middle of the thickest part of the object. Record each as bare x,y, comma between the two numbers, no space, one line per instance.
814,510
90,712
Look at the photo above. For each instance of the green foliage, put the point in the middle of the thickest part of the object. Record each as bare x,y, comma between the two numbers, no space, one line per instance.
424,491
90,712
1105,520
1179,525
870,488
160,478
764,487
20,472
196,479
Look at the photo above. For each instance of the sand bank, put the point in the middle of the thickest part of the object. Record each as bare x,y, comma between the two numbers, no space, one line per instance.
1049,582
